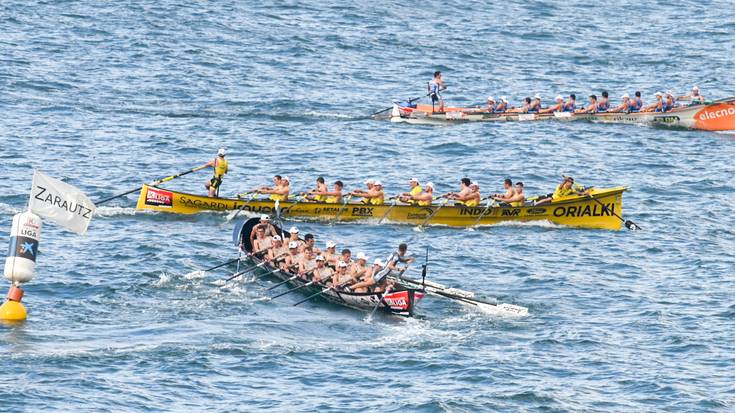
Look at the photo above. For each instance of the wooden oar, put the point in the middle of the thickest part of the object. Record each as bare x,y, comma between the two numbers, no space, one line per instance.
344,206
395,200
324,290
433,213
386,292
301,197
299,287
484,211
628,223
409,101
237,274
154,183
215,267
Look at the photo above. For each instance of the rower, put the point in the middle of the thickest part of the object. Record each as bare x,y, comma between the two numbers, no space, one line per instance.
332,197
294,237
435,87
522,109
426,197
407,197
374,195
591,108
320,187
519,197
694,96
502,106
489,105
321,271
359,192
656,106
636,104
261,243
346,256
308,262
463,194
279,192
309,242
535,105
668,102
571,104
398,257
557,107
330,254
359,267
340,277
508,185
219,164
565,188
268,229
293,258
475,197
278,251
624,105
604,104
369,279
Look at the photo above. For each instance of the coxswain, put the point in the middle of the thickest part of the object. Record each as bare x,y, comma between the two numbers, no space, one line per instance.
321,187
522,109
407,197
535,105
624,105
591,108
398,257
571,104
268,229
278,251
502,106
657,105
436,85
261,243
556,107
694,96
279,192
463,194
636,103
566,188
220,169
604,103
508,185
321,272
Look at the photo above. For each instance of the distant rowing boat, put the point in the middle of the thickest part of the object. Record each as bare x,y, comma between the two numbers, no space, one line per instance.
713,116
595,211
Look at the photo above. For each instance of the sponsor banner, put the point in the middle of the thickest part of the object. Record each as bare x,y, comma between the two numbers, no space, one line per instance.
23,247
159,198
60,202
398,300
716,117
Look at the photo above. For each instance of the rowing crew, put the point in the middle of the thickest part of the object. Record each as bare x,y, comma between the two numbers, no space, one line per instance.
664,102
337,271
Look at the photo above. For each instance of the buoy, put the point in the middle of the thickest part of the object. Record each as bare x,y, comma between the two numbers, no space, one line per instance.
20,263
12,309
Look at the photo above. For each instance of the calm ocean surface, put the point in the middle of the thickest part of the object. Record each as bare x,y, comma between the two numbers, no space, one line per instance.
107,95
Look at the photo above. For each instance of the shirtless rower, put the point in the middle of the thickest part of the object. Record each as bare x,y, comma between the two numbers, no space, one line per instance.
519,197
556,107
310,242
657,105
463,194
346,256
332,197
268,229
535,105
320,187
261,243
566,188
219,164
435,86
330,254
308,262
359,268
604,103
293,258
279,192
278,251
624,105
694,96
571,104
426,197
369,279
502,105
407,197
340,277
508,185
321,271
522,109
475,197
591,108
374,195
294,237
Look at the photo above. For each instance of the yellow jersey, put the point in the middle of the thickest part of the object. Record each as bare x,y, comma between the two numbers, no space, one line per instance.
561,192
376,201
333,199
220,167
471,203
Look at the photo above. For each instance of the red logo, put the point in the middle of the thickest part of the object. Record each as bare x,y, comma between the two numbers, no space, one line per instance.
397,300
159,198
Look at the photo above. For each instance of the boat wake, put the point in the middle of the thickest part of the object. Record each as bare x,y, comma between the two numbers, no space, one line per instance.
106,211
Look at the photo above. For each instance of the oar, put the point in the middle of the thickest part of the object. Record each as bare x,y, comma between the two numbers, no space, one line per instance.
237,274
344,206
324,290
382,296
299,287
252,196
484,211
628,223
154,183
215,267
395,200
301,197
409,101
433,213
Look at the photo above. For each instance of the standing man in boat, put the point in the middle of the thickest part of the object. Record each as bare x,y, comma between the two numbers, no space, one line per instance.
435,86
220,169
265,224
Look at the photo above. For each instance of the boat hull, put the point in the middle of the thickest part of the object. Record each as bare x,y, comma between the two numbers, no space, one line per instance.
717,116
574,211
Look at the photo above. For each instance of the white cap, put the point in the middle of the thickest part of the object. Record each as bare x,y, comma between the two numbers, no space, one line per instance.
474,183
294,230
362,256
504,99
377,183
293,244
276,238
625,95
658,94
378,261
265,217
221,152
537,96
342,264
491,99
369,182
695,88
414,180
285,178
319,258
559,97
331,244
670,93
429,185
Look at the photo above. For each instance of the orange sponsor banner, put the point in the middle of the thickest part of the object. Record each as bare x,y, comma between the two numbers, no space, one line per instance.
716,117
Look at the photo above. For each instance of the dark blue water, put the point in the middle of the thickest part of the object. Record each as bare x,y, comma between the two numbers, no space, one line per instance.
107,95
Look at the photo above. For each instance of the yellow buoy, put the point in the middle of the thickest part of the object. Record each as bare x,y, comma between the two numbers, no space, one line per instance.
12,311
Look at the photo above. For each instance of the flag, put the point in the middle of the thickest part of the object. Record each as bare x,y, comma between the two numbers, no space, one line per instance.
60,202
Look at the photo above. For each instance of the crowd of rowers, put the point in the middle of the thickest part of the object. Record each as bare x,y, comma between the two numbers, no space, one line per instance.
339,271
663,103
421,195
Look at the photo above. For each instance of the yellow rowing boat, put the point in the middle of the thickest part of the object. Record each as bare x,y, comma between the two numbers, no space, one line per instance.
595,211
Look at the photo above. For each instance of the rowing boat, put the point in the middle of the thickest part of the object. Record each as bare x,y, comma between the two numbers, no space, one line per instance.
711,116
401,300
595,211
